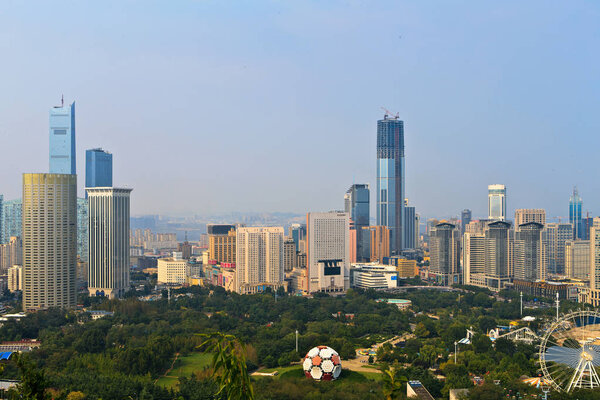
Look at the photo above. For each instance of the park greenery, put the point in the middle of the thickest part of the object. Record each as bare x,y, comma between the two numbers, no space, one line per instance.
134,353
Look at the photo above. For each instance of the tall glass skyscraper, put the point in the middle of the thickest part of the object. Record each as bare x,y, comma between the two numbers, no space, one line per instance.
497,202
62,140
357,205
575,205
390,178
11,219
98,168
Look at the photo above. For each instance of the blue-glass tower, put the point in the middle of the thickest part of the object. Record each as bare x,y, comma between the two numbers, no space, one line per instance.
98,168
575,205
62,140
390,178
357,205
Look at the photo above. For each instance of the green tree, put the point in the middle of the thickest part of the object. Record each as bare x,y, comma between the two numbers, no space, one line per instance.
33,383
393,382
421,331
229,366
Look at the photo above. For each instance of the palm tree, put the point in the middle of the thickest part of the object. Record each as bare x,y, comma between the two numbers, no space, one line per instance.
393,382
229,366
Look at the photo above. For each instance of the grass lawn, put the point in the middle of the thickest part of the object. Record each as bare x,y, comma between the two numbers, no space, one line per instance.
185,366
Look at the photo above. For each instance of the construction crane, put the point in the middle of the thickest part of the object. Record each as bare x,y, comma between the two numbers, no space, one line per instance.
388,113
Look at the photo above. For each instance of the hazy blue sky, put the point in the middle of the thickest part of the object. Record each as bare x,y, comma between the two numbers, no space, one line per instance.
213,106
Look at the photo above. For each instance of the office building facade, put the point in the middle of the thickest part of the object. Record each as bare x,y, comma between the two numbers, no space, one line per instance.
328,252
554,237
473,253
498,254
108,260
465,219
497,202
12,217
11,253
390,179
221,243
357,205
528,265
289,254
98,168
526,215
577,259
82,229
411,227
298,234
49,241
260,259
173,270
62,140
379,242
444,251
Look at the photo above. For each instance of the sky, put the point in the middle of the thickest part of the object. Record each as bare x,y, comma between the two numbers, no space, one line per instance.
257,106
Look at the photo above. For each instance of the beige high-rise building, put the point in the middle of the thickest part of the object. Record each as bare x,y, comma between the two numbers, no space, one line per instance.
379,242
526,215
49,241
221,243
473,256
108,241
260,259
577,259
173,269
11,253
444,250
592,295
15,278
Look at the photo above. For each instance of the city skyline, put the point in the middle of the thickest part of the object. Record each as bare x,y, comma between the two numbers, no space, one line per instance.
436,125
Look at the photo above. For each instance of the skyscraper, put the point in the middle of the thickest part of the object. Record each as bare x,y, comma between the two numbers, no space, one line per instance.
465,219
49,241
410,226
12,219
526,215
390,178
221,243
82,229
259,259
1,219
497,202
528,264
356,204
554,238
298,233
108,271
98,168
577,259
575,204
62,140
473,253
497,254
328,255
444,243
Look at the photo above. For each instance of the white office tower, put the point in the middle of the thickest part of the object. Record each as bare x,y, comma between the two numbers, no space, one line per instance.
108,241
473,254
497,202
49,241
259,259
328,256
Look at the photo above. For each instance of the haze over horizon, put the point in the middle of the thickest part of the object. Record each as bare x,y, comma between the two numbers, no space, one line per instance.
271,106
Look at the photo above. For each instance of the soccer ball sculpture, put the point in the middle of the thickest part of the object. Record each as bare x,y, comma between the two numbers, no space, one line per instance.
322,363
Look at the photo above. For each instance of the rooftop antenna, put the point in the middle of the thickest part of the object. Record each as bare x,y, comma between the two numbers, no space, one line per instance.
62,100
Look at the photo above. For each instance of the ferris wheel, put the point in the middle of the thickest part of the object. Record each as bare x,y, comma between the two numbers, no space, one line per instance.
569,354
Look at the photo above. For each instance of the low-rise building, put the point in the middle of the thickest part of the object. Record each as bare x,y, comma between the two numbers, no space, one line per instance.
373,276
173,269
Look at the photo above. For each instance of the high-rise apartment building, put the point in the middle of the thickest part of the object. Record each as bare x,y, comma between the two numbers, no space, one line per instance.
575,206
289,254
444,250
328,252
498,250
49,241
357,205
473,253
554,238
1,219
528,265
594,290
11,253
62,140
98,168
12,218
15,278
109,214
82,229
259,259
379,242
221,243
526,215
577,259
390,179
465,219
497,202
